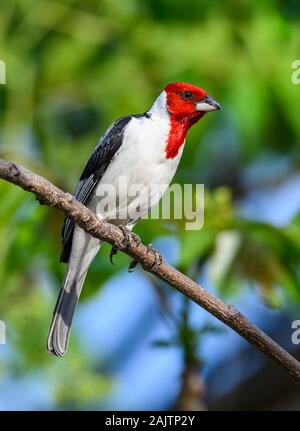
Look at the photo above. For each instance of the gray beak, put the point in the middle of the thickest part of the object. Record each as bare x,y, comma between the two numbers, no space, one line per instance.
208,104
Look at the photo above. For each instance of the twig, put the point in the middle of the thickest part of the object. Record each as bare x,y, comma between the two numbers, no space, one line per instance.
54,197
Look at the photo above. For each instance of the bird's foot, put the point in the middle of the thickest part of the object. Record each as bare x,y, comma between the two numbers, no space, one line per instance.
158,258
128,238
136,238
133,264
127,243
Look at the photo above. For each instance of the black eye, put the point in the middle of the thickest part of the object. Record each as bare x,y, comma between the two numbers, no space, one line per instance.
187,95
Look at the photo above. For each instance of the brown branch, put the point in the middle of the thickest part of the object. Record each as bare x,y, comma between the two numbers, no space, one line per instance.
50,195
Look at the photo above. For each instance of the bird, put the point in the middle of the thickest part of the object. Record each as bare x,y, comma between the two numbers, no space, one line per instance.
142,148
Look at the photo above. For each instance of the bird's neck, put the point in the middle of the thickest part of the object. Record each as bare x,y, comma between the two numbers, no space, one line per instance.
176,137
178,125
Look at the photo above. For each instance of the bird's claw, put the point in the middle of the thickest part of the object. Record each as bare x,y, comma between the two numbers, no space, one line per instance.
133,264
127,239
158,259
113,252
127,243
41,200
136,238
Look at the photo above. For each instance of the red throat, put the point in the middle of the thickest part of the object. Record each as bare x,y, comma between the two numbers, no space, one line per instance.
183,114
176,137
177,134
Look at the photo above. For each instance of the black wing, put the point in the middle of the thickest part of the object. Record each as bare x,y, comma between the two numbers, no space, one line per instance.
104,152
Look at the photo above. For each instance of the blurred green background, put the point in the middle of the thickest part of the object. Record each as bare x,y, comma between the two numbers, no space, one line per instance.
73,67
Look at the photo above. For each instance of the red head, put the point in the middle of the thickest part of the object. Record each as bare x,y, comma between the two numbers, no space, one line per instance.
186,101
186,104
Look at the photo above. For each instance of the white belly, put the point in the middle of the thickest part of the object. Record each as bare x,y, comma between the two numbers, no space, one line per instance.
138,175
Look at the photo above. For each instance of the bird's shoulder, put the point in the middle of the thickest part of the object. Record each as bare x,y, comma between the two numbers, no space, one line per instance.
109,144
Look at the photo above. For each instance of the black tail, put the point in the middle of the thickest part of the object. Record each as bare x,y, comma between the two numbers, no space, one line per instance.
84,249
62,317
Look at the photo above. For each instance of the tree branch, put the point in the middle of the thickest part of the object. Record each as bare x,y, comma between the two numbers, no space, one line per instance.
50,195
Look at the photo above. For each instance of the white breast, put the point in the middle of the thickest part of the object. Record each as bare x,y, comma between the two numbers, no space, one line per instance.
141,162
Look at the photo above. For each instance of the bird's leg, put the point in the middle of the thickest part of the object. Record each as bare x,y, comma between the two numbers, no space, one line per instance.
136,238
127,240
128,237
137,241
158,259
